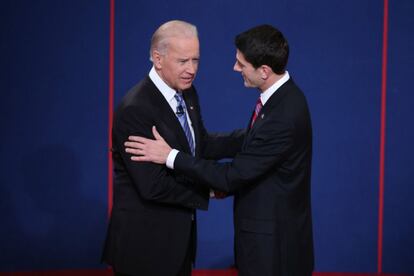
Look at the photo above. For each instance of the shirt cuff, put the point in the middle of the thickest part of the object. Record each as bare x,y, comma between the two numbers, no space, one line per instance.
171,158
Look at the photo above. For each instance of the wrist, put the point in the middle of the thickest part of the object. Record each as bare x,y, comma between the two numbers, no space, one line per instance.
171,158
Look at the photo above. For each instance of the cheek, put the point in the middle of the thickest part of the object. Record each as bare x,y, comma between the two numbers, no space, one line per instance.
246,75
181,72
175,72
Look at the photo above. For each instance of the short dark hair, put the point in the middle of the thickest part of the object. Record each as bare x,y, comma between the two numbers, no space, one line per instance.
264,45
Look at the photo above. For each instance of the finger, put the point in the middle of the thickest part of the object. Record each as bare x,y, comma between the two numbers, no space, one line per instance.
139,158
156,134
135,145
138,139
135,151
132,138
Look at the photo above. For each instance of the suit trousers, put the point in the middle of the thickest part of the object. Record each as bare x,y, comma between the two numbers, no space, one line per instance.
186,267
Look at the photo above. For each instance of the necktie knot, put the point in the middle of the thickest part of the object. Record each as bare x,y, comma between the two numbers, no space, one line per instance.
179,97
180,106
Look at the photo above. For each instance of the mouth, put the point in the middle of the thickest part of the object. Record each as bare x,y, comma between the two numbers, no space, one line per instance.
188,80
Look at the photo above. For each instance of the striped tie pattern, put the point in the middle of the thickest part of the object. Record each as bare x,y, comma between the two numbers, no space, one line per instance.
256,111
182,117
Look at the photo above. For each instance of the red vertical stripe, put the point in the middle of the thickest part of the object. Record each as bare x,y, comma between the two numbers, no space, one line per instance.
111,98
382,136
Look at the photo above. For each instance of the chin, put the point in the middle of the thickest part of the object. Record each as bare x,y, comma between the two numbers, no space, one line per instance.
246,84
184,87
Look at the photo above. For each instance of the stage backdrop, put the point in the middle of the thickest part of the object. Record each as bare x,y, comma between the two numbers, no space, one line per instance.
55,87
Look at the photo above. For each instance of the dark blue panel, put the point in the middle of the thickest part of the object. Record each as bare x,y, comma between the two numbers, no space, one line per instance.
54,133
399,174
54,75
336,57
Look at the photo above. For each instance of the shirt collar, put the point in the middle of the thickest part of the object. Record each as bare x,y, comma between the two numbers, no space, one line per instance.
264,96
165,90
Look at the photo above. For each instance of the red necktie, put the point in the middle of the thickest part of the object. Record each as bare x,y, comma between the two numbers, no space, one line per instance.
256,111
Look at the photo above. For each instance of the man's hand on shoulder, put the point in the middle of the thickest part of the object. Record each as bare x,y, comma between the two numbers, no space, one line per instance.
148,150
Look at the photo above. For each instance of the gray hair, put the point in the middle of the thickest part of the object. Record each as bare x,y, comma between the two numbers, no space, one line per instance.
174,28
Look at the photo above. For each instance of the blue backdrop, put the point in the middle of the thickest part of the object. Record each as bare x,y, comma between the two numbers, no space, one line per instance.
54,118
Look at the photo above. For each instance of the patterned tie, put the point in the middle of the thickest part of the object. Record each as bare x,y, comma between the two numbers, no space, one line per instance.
256,111
182,117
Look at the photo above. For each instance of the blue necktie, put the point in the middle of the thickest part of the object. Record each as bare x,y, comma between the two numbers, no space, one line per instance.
182,117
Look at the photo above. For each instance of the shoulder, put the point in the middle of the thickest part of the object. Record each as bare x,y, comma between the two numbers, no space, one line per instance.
138,101
140,91
140,95
293,95
288,104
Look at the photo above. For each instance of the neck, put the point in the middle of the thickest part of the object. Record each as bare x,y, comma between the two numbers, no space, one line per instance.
272,79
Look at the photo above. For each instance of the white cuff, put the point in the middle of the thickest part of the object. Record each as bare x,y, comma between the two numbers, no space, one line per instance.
171,158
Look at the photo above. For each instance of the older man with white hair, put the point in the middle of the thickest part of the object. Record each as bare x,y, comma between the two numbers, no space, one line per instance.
152,227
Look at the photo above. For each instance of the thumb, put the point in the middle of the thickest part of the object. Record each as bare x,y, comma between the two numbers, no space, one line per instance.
156,134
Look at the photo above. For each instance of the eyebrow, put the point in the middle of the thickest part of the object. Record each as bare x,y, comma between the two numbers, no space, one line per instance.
187,59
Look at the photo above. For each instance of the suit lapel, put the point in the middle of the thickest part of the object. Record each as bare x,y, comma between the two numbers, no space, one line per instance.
270,105
170,127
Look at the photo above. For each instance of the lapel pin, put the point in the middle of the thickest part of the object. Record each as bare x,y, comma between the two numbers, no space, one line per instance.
262,116
191,107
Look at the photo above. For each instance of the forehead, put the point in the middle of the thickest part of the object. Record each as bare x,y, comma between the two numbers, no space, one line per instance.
184,45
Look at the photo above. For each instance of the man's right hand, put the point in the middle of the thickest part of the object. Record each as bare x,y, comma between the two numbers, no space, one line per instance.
219,194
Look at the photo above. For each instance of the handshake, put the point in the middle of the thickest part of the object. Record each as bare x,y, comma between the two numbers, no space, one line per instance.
217,194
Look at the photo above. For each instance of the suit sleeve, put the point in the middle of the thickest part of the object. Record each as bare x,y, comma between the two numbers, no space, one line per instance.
266,149
153,182
222,145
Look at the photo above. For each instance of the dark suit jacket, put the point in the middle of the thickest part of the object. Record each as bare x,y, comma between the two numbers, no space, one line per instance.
151,223
271,181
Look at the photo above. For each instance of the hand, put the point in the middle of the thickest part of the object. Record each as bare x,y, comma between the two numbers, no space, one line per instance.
144,149
219,194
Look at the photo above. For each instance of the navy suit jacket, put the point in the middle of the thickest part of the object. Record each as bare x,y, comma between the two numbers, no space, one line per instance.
270,178
151,224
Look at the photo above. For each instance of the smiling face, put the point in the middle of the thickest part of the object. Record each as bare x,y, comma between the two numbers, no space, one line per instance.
179,64
252,77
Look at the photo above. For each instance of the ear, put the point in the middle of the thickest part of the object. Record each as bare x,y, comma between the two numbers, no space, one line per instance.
265,72
157,59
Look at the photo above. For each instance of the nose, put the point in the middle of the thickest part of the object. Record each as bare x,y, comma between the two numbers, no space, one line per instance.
236,67
192,67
